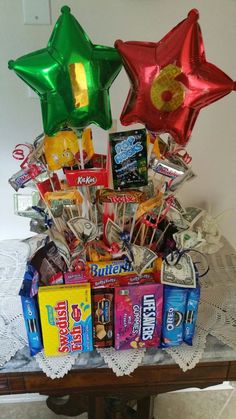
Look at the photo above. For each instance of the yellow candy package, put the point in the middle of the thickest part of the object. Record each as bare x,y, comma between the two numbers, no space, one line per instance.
62,149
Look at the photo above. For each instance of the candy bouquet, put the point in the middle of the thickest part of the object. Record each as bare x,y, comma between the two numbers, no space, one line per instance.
116,266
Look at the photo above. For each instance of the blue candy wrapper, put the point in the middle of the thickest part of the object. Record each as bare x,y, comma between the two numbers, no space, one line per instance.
30,284
28,292
31,317
191,314
174,309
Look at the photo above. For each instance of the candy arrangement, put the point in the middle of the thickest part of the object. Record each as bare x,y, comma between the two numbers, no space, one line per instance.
116,265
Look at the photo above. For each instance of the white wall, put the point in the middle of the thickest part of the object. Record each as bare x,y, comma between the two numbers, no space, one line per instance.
213,143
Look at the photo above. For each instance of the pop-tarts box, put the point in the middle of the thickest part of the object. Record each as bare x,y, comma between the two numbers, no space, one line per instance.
65,312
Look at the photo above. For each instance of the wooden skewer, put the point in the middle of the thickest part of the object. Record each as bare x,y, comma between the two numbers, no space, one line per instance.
144,234
138,231
49,210
115,211
158,218
123,218
162,234
133,221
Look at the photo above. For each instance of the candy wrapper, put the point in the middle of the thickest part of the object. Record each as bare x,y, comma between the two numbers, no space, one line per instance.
129,158
48,261
32,325
191,315
30,310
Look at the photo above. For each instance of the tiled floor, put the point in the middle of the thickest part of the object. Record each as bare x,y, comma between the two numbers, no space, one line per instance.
217,404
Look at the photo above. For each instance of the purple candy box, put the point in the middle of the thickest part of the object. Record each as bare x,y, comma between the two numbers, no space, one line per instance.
138,316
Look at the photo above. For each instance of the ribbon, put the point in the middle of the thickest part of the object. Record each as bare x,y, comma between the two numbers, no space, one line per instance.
42,212
176,255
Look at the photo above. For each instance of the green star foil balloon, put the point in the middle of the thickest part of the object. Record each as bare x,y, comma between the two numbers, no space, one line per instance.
71,76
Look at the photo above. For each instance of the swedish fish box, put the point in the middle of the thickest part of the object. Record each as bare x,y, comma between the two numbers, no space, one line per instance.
65,312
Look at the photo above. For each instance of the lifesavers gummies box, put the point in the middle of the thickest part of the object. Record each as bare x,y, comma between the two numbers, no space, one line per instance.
65,312
138,316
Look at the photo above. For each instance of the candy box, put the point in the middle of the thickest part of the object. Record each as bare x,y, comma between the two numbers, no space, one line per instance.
103,317
138,316
111,268
66,321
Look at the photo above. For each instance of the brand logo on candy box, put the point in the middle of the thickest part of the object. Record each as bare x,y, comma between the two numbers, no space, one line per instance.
127,148
122,198
69,340
86,180
148,317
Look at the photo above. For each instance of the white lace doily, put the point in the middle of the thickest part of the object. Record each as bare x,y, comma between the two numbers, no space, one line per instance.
122,362
217,314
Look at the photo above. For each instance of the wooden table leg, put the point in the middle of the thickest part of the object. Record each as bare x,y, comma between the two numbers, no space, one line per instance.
96,408
145,407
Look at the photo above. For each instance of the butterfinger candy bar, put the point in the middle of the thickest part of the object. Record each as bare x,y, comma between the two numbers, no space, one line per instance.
166,168
103,322
111,268
124,196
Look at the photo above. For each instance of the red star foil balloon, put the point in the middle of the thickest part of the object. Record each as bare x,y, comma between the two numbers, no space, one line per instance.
71,76
171,80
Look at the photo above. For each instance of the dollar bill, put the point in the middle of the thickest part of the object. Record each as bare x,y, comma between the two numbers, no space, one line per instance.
83,229
188,239
176,204
181,274
142,258
61,244
193,214
113,232
177,218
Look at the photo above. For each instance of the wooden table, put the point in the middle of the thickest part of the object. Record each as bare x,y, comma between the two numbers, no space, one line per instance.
97,389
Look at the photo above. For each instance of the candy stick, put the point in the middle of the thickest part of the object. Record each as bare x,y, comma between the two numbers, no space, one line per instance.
143,235
95,214
50,180
133,221
138,231
150,148
123,217
158,218
70,210
162,234
49,210
79,134
80,138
